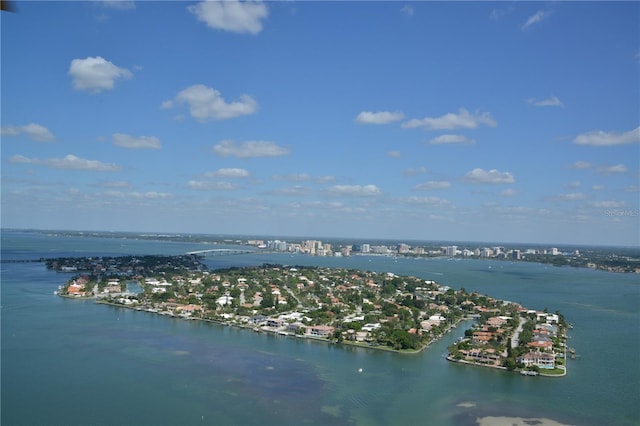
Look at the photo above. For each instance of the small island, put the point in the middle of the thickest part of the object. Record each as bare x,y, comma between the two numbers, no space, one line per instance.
373,310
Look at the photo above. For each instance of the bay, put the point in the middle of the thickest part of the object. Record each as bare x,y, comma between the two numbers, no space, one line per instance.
73,362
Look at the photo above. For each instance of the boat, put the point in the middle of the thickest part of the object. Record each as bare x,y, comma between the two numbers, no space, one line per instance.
528,373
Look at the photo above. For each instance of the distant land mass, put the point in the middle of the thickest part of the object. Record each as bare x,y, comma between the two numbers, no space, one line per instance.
609,258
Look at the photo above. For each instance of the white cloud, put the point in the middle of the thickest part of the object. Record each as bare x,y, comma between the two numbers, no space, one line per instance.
119,4
416,171
600,138
394,154
428,201
116,184
229,173
208,186
433,184
353,191
572,196
231,15
632,188
553,101
607,170
70,162
574,184
580,165
499,13
508,192
407,10
598,187
536,18
492,176
206,103
299,177
463,120
325,179
229,148
610,204
140,142
452,139
150,195
34,131
297,190
380,117
95,74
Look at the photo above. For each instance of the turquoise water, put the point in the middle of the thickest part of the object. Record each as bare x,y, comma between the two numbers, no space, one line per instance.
71,362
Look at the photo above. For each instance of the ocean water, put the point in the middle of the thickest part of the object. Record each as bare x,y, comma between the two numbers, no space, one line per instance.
72,362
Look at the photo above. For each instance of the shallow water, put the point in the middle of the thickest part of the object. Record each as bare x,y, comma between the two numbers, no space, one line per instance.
83,363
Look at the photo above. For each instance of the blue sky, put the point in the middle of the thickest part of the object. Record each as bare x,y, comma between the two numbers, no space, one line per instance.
505,121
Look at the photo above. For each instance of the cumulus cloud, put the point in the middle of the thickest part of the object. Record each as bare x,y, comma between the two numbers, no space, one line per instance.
497,14
140,142
572,196
206,103
394,154
296,190
149,195
609,204
70,162
116,184
574,184
119,4
598,187
607,170
536,18
353,191
229,148
508,192
462,120
380,117
433,184
34,131
600,138
580,165
416,171
552,101
298,177
231,15
229,173
452,139
95,74
211,186
492,176
407,10
428,201
325,179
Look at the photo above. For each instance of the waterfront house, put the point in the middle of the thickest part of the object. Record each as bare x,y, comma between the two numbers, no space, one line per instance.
258,320
295,327
321,330
539,359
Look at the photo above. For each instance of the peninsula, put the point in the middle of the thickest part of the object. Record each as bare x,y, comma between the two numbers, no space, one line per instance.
363,308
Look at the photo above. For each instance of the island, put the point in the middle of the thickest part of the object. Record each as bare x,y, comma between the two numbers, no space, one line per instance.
374,310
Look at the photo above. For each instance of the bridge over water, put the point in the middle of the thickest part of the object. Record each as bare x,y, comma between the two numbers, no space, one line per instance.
221,252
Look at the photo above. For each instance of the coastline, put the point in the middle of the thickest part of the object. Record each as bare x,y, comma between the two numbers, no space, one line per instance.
271,330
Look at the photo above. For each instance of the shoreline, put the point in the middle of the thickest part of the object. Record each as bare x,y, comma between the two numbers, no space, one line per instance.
277,332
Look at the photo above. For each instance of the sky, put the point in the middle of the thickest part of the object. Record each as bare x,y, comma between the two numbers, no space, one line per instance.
459,121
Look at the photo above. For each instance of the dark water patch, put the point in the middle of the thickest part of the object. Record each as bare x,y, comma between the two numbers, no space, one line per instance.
468,413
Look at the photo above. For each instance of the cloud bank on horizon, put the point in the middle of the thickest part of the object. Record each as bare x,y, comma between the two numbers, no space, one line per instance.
481,123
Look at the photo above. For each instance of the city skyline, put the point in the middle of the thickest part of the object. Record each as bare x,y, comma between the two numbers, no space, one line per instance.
511,122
